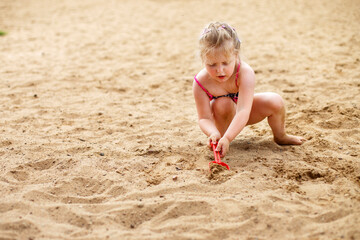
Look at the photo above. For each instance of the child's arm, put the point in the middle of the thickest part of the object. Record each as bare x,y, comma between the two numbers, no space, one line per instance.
205,117
243,109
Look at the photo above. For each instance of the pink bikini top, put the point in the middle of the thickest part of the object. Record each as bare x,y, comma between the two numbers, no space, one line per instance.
233,96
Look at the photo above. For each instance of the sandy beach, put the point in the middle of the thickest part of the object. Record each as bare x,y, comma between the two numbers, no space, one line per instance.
98,127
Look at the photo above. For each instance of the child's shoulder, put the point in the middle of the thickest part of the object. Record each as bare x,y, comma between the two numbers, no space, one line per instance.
245,66
202,75
246,69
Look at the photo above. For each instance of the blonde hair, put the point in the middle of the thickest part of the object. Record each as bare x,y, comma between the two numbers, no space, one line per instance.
219,35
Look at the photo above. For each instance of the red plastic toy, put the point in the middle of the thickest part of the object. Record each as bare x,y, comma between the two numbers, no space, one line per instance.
217,157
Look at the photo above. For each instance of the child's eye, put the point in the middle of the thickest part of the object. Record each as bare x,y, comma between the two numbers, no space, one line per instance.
225,63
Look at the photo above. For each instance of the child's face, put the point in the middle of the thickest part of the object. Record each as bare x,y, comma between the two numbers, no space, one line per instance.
219,65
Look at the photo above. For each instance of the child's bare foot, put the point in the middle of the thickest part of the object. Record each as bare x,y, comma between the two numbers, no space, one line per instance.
289,140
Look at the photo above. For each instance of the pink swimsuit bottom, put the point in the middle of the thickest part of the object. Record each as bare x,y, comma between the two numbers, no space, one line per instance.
233,96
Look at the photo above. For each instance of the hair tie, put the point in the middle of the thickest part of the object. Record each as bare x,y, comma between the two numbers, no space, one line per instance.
206,31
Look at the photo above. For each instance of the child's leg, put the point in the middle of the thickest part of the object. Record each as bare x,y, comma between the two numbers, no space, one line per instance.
271,105
223,111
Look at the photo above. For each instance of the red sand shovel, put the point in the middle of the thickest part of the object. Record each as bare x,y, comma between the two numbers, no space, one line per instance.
217,157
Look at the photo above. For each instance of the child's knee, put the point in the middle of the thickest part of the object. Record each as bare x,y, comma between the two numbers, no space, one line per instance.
270,102
223,106
275,102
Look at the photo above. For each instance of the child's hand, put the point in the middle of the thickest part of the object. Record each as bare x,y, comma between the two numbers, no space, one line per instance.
214,137
223,146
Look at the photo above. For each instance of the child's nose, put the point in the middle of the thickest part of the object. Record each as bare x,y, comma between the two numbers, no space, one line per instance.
220,69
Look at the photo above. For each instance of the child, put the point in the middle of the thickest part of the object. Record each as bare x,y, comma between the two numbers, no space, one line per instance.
224,92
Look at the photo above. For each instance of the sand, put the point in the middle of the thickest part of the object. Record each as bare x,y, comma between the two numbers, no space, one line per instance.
98,127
